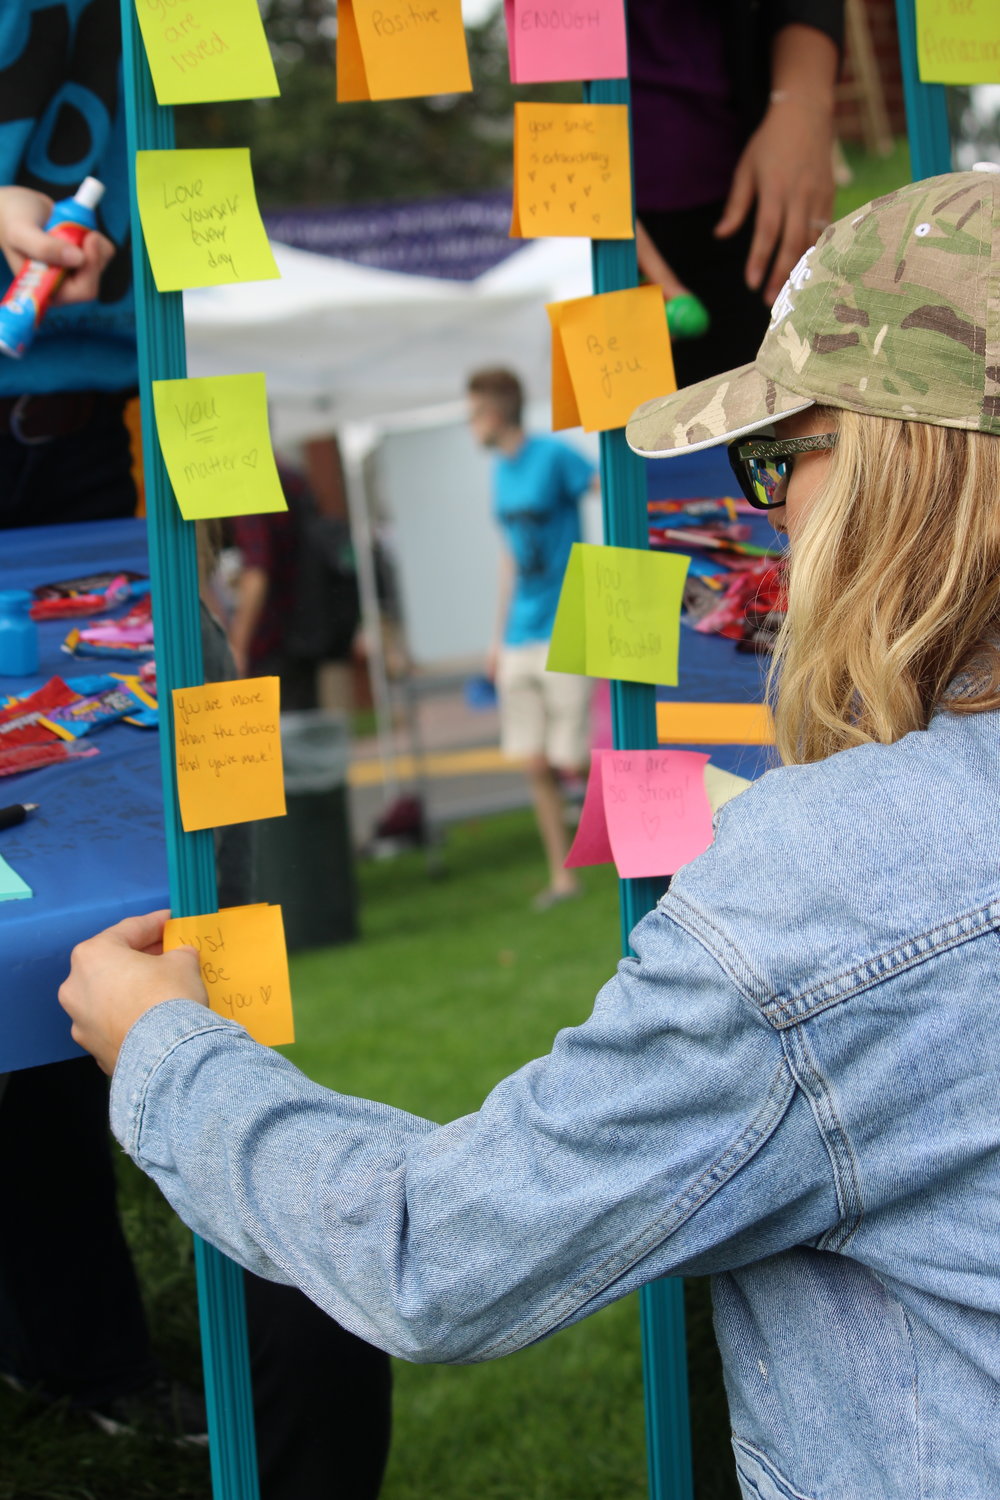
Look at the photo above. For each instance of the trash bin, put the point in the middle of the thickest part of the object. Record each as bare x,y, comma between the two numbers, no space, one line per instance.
305,860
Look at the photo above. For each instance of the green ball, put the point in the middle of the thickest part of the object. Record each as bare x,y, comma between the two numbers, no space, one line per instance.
687,317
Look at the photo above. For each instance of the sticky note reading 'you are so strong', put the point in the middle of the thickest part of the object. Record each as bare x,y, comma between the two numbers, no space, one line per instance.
645,810
203,50
244,966
200,219
619,614
215,441
401,49
552,41
958,41
572,171
609,354
227,742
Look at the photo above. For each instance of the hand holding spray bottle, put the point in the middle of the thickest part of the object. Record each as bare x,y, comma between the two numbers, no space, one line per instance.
29,294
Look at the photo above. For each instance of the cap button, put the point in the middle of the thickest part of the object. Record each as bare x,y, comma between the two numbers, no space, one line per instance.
986,166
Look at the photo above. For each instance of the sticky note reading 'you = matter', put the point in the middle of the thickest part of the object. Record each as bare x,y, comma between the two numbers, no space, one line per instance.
572,171
203,50
200,219
609,354
552,41
401,49
958,41
244,967
214,436
645,810
619,614
227,742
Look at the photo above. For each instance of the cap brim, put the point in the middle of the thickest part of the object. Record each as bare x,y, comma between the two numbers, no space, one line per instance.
711,412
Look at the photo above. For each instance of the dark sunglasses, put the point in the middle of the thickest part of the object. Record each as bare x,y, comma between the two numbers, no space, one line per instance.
762,465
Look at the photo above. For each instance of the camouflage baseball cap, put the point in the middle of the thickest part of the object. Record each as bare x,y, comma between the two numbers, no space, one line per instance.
894,311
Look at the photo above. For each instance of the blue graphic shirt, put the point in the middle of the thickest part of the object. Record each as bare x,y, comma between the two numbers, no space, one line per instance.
536,502
62,119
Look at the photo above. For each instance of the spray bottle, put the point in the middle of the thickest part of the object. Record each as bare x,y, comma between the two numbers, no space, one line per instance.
29,294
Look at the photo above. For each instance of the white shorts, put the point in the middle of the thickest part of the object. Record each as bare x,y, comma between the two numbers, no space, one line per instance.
542,713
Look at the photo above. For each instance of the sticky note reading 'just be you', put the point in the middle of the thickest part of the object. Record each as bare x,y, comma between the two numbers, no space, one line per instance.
203,50
572,171
619,614
609,354
215,441
244,966
227,742
200,219
401,49
646,811
565,41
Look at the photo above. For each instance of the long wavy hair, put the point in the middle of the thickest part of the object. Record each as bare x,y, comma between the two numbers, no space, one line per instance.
893,589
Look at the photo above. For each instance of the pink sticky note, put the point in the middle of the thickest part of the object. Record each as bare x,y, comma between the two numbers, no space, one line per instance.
656,808
552,41
591,845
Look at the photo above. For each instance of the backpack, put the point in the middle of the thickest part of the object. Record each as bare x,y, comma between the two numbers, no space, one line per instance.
327,609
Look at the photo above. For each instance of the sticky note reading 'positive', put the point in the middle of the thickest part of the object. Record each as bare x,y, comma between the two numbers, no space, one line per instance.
407,51
619,614
244,966
202,50
609,354
565,41
572,171
958,41
645,810
200,219
215,441
227,741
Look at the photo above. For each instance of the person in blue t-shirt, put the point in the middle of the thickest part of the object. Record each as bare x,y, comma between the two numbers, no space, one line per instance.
544,716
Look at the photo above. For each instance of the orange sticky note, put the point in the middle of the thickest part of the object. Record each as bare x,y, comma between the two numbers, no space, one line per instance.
609,354
227,743
572,171
414,50
714,724
244,966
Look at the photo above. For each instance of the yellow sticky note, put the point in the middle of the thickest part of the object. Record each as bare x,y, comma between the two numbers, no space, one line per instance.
572,171
244,966
414,50
626,602
202,50
214,437
227,743
722,786
958,41
609,354
200,219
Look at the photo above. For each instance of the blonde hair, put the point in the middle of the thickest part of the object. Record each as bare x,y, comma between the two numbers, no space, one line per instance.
893,589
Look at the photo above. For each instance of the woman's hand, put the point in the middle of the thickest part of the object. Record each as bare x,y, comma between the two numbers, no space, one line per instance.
23,216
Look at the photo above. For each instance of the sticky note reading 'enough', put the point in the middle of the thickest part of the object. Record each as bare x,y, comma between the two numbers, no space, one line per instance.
565,41
202,50
200,219
609,354
958,41
403,51
572,171
647,810
244,967
619,614
227,741
216,445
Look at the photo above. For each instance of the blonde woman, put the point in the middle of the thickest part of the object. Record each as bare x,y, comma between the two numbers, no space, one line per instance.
794,1082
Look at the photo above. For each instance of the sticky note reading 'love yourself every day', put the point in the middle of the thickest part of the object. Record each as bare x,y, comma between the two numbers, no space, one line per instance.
216,445
609,354
204,50
403,50
244,967
645,810
958,41
227,742
619,614
572,171
200,219
565,41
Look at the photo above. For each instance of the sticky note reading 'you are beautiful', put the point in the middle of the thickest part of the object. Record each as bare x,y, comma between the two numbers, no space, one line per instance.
200,219
215,441
401,49
572,171
244,967
619,614
958,41
609,354
203,50
565,40
647,811
227,742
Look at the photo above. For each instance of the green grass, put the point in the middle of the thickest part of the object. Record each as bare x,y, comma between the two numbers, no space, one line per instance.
873,176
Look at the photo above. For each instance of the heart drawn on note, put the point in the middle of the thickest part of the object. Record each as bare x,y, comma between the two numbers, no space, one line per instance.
650,824
250,459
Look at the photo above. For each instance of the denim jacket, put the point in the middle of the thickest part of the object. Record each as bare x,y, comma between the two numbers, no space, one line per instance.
793,1085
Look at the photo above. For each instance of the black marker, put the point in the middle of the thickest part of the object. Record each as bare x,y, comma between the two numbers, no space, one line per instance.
11,816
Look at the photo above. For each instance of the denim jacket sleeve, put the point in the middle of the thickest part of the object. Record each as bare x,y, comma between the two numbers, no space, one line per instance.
665,1134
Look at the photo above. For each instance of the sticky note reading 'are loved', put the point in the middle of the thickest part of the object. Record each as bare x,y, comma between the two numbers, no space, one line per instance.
645,810
958,41
619,614
609,354
565,41
406,50
215,441
572,171
244,966
200,219
227,742
203,50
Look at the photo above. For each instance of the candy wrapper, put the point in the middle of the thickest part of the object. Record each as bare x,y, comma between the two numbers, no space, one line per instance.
95,712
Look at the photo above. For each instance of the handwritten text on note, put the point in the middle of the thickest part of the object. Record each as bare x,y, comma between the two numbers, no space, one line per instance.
402,50
203,50
552,41
958,41
572,172
200,219
619,614
609,354
227,740
214,436
244,967
647,810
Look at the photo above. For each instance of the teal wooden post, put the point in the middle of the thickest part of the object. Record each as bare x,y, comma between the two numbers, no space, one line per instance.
633,717
173,572
926,108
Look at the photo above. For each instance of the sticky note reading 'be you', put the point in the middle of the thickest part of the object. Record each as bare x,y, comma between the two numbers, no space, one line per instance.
200,219
401,51
572,171
619,615
609,354
227,741
958,41
203,50
645,810
216,445
566,40
244,967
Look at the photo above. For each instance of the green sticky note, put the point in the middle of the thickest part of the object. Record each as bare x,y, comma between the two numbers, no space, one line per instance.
619,615
214,437
200,219
568,646
958,41
12,887
203,50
